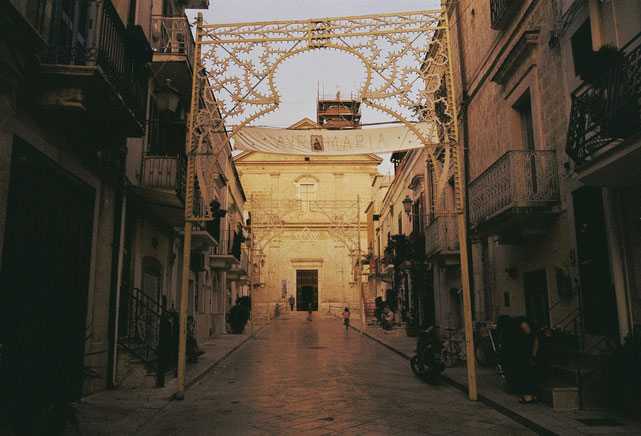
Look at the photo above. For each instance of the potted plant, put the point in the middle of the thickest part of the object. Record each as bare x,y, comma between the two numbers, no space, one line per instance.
237,318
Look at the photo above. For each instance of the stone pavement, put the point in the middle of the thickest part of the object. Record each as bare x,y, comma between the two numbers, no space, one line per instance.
492,391
299,377
123,411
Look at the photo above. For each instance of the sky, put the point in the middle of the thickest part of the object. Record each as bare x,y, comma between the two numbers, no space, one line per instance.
300,78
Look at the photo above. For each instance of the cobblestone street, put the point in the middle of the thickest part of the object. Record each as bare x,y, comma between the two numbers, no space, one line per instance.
316,378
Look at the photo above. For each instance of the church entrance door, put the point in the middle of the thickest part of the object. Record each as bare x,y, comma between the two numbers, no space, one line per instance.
306,289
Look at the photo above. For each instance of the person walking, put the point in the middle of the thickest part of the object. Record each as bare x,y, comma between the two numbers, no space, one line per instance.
309,312
346,318
291,303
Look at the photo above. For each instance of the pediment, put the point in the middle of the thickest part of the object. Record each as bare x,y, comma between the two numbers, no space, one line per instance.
516,56
305,124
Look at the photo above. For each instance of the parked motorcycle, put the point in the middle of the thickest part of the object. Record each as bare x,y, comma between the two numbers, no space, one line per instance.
428,363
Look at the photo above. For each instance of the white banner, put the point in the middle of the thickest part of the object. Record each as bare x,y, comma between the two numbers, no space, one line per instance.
332,142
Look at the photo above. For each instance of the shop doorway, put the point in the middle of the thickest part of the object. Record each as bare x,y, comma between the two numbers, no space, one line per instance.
536,297
306,289
597,291
44,282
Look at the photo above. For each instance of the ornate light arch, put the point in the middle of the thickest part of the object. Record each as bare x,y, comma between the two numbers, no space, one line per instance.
409,77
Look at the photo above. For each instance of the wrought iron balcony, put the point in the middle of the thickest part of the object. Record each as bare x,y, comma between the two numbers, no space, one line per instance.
165,172
501,11
608,110
89,46
173,46
172,36
227,252
441,236
521,182
162,187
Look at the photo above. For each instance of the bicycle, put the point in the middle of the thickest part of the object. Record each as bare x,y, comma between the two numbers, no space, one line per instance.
484,344
452,349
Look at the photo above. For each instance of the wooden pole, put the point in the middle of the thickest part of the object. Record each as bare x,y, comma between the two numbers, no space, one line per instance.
251,274
467,307
360,265
189,203
182,339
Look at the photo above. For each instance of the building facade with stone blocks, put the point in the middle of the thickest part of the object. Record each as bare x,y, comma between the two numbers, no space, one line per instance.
378,280
548,101
534,211
93,175
401,270
306,228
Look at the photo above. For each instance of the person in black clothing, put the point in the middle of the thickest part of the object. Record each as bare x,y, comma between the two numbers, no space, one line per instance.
518,355
527,349
507,330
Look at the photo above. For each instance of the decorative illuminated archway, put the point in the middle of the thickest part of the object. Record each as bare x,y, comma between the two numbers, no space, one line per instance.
409,77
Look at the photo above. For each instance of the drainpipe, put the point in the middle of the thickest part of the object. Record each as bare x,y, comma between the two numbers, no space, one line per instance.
120,203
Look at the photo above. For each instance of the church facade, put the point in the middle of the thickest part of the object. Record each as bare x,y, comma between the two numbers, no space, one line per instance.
307,216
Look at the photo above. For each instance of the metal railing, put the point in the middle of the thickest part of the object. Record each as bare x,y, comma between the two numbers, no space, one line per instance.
608,109
501,11
230,244
441,235
164,172
142,337
172,35
520,178
104,43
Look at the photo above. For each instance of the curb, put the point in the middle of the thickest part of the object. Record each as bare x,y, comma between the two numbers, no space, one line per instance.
192,382
215,364
482,398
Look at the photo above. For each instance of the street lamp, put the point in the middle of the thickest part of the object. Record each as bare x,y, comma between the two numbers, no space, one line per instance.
407,205
167,97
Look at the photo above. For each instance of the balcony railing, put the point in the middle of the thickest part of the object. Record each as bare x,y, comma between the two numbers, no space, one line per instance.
165,172
519,179
607,110
501,11
441,236
172,35
230,244
103,41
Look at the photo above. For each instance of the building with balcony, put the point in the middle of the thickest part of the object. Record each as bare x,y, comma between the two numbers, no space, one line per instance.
548,107
401,273
92,134
73,87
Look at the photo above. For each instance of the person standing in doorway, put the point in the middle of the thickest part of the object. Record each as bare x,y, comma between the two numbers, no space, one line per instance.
309,312
291,303
346,315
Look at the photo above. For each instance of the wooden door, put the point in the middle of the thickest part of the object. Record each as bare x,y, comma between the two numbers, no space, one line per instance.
306,289
43,282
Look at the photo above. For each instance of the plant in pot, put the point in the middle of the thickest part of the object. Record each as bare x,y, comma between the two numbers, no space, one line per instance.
237,318
614,108
245,301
